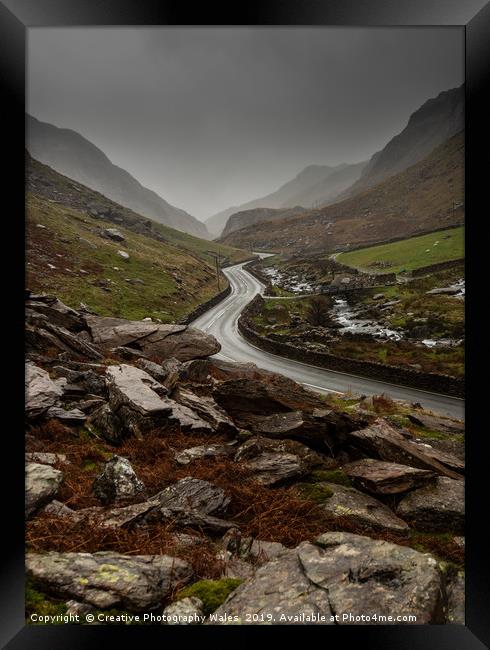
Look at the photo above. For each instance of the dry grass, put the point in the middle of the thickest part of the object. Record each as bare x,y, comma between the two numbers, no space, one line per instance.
383,404
51,533
272,514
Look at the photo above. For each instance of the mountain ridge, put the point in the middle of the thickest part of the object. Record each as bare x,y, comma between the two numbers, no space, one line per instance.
71,154
422,198
434,122
287,195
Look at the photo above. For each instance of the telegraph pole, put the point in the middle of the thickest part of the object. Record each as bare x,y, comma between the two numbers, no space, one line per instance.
217,266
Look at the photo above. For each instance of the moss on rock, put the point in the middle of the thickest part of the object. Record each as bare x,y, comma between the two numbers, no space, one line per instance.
317,492
212,593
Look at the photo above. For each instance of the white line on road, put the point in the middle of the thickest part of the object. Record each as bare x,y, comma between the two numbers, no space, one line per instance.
329,390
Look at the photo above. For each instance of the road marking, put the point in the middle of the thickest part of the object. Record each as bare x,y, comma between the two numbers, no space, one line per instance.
225,356
329,390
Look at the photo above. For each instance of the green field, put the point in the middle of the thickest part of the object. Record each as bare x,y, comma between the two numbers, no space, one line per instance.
408,254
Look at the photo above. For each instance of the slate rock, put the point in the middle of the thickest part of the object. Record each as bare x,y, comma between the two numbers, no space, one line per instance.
106,579
193,494
207,409
436,507
41,391
188,611
456,600
191,454
379,477
340,574
436,423
382,441
154,339
41,485
114,234
117,481
348,504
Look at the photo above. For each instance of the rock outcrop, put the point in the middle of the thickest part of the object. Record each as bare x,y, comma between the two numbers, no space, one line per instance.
117,481
436,507
378,477
107,579
136,438
348,504
42,484
153,339
341,575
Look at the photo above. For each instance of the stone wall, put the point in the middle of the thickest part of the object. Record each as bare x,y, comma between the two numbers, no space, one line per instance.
433,268
201,309
254,270
394,374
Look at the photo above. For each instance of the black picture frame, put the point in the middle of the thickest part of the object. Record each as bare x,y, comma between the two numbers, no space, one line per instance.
16,16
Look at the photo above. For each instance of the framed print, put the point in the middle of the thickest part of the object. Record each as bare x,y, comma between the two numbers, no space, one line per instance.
250,362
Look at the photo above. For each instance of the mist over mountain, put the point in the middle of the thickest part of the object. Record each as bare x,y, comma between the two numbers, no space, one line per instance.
258,215
437,120
314,184
426,196
71,154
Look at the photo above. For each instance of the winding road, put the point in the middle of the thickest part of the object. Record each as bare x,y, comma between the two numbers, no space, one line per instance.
221,321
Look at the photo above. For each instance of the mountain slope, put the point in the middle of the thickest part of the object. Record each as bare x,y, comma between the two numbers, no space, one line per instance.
258,215
72,155
295,192
437,120
426,196
69,252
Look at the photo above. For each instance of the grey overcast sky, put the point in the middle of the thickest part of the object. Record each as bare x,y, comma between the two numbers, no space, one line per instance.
213,117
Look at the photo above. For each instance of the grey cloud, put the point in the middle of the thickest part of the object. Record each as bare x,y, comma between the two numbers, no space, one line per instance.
211,117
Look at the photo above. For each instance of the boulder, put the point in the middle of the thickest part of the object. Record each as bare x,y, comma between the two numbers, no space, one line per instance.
154,339
207,409
117,481
259,550
445,458
41,390
379,477
138,403
153,369
456,600
271,394
317,429
196,371
72,345
74,417
273,462
436,507
382,441
193,494
59,509
114,234
106,579
56,312
41,485
45,458
88,380
350,505
191,454
341,574
188,611
172,368
272,468
436,423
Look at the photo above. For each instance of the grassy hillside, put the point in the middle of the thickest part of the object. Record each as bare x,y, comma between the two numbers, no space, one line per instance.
168,273
56,188
424,197
408,254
